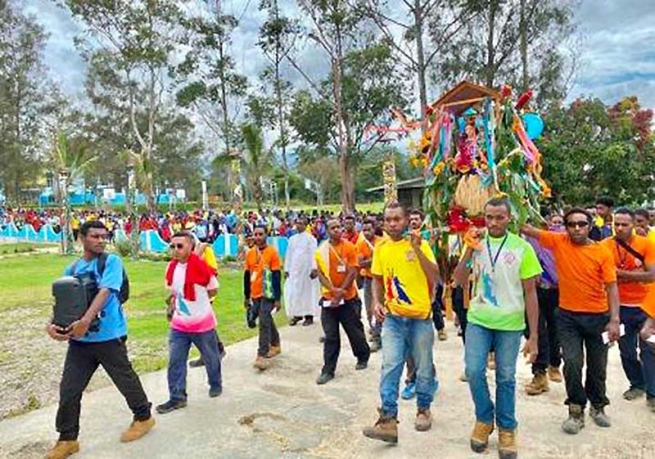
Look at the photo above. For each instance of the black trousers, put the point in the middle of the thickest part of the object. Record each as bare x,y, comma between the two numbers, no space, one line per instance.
82,360
548,342
268,334
348,315
438,308
580,332
459,309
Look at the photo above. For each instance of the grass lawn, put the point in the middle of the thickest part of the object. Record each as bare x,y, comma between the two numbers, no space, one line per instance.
21,247
25,283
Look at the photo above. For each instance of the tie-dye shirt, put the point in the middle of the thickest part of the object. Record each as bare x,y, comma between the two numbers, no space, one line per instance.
192,316
497,302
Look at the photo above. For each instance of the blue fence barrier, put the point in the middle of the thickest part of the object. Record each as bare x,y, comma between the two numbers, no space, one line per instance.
225,245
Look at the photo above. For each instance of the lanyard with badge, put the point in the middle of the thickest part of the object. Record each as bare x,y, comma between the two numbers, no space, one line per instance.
341,268
253,274
493,259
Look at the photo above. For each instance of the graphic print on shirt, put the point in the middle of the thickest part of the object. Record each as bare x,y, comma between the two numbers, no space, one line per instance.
181,304
396,290
488,288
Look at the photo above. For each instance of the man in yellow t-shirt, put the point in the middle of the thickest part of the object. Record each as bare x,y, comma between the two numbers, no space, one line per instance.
404,276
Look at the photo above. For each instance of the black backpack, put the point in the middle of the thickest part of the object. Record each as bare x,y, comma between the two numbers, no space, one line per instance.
124,292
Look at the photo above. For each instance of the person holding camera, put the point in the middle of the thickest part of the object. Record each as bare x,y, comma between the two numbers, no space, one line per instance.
101,344
262,288
192,284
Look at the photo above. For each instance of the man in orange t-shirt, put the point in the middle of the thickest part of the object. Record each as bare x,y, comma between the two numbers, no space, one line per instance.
349,232
262,286
336,261
634,258
589,306
365,246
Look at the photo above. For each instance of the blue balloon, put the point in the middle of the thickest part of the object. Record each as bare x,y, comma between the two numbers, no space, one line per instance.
534,125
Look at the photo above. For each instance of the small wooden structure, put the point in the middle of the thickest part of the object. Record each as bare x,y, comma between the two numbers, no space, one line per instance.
464,95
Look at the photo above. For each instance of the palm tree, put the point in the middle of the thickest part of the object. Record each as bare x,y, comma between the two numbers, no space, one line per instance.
70,162
256,159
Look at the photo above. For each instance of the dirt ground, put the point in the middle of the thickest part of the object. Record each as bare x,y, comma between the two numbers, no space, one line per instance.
283,413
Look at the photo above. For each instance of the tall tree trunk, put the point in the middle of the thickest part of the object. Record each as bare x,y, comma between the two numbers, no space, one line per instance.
420,57
280,112
347,189
525,79
490,71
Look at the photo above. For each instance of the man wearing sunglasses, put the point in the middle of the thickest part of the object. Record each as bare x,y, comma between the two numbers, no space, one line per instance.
88,349
634,258
192,284
589,306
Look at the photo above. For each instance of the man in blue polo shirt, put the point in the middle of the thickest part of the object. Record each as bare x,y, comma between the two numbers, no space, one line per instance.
90,346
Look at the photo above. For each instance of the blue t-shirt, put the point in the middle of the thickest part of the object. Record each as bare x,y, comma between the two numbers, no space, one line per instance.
112,318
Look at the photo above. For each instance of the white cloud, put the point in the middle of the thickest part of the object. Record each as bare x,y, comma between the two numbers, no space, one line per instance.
618,57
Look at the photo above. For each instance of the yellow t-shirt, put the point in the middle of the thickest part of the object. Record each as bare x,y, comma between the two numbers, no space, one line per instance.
209,257
407,292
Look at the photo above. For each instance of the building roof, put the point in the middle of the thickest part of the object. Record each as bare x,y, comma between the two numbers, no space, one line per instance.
415,183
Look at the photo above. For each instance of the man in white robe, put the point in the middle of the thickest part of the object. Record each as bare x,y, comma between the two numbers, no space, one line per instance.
301,291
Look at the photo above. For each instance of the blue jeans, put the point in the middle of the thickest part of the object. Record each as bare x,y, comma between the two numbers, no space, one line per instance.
402,337
639,369
479,342
179,344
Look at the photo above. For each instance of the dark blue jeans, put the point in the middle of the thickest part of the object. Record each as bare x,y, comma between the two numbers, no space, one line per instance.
179,344
639,369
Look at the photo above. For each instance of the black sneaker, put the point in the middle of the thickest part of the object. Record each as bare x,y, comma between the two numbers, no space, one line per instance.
170,405
308,321
199,362
361,365
294,320
324,378
215,391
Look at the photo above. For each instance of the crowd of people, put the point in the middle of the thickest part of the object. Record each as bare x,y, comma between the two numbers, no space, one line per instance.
207,225
568,289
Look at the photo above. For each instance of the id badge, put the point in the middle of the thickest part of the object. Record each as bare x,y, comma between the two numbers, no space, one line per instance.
341,268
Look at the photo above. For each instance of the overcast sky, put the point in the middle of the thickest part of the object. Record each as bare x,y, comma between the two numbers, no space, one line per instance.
618,47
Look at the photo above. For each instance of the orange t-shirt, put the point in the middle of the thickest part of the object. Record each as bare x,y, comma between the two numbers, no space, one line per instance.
648,305
365,250
341,256
583,271
631,293
256,261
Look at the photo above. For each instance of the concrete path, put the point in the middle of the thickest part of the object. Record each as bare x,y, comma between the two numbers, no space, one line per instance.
282,413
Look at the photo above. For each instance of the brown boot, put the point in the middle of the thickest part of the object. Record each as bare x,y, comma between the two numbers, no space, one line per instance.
507,444
554,374
137,430
480,436
491,361
385,429
538,385
261,363
423,421
63,449
274,351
